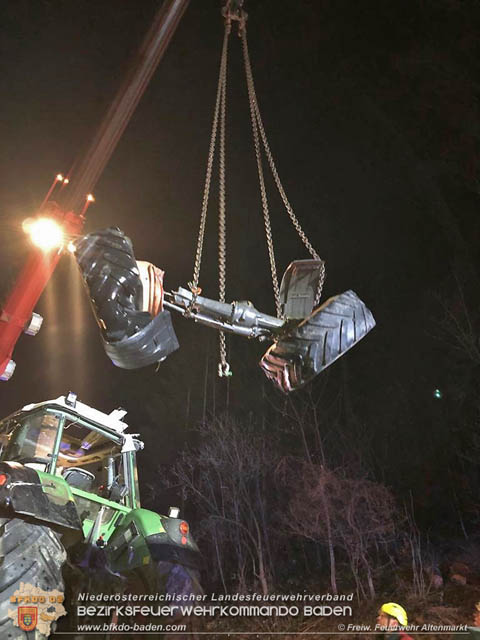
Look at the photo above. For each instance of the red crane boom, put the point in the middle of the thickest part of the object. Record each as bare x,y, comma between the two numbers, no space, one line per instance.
17,315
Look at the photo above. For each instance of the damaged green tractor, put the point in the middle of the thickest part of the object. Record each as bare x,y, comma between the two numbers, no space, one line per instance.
70,505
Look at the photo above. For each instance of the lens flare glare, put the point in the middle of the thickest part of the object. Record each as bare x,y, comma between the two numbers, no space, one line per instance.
45,233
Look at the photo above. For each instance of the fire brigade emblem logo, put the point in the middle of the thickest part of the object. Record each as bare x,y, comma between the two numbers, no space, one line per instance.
27,618
33,608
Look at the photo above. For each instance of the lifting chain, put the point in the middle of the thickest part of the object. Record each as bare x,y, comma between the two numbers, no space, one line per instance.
257,126
223,365
217,125
263,193
232,11
208,177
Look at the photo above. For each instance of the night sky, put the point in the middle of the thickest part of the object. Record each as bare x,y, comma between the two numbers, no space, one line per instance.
371,109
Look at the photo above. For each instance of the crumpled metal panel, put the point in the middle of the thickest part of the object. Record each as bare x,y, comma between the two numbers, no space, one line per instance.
151,344
152,286
25,495
299,288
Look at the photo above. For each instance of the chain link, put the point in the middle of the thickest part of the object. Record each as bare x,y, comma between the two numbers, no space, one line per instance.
259,125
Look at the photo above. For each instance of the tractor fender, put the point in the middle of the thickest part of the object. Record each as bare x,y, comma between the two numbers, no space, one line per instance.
146,521
161,539
37,496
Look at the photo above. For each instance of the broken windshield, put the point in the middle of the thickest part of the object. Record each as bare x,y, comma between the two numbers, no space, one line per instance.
31,438
82,445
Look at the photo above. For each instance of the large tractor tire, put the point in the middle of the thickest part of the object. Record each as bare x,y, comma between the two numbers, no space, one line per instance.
29,554
317,341
174,579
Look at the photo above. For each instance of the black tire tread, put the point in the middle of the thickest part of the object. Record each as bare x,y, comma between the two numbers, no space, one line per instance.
29,553
345,310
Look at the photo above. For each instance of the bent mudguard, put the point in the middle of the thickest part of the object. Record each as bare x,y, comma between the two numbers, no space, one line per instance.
24,495
317,341
131,337
151,344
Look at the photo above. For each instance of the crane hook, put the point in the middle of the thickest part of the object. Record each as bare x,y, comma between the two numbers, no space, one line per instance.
232,10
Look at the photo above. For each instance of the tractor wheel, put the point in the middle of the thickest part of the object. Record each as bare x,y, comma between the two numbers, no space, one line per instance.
320,339
30,554
177,580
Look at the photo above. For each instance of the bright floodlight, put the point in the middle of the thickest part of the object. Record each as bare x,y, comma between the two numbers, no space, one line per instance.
45,233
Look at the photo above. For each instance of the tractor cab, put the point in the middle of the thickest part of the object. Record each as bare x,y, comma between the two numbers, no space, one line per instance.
65,442
59,441
68,472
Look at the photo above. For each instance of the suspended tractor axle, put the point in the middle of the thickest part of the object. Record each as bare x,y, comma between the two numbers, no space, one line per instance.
305,340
